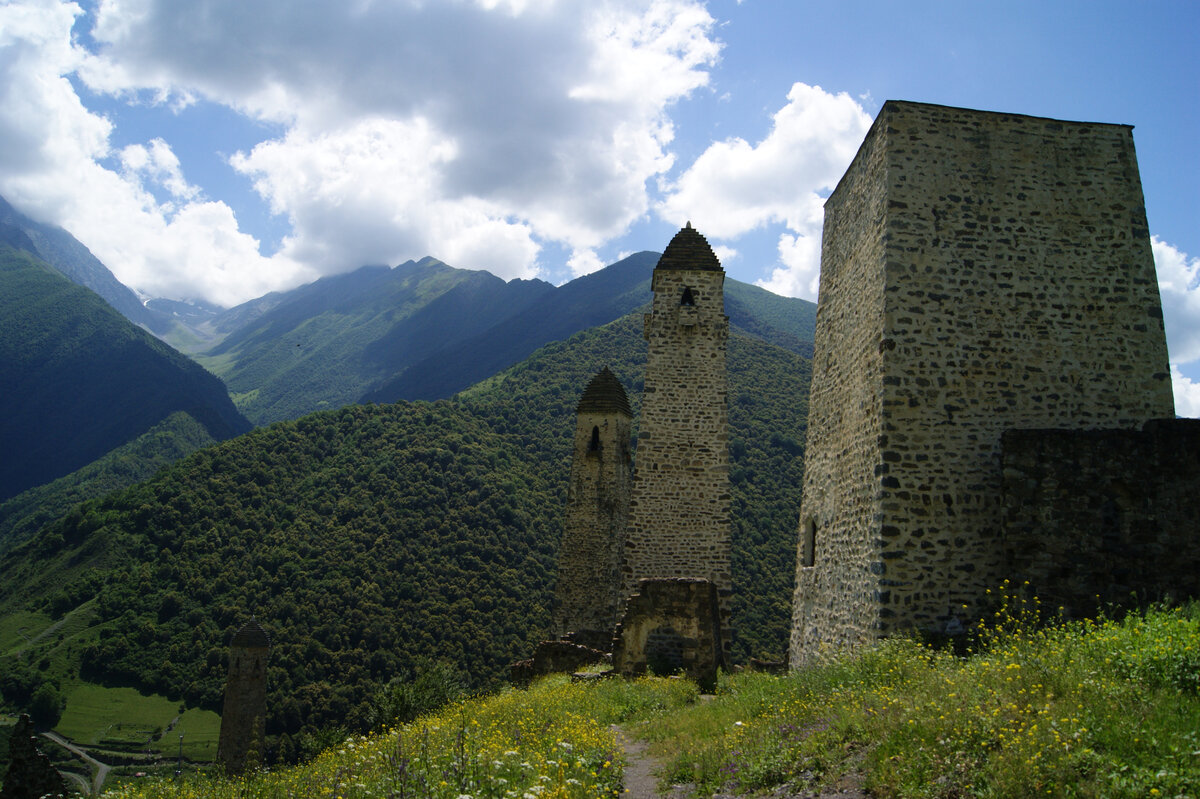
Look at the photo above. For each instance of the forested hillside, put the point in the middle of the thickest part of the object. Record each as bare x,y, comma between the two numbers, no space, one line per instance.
168,441
80,380
374,537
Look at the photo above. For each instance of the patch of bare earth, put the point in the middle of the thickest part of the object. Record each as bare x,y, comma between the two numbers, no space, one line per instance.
641,780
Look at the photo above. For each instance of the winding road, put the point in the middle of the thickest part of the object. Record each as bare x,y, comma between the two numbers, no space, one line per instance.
101,768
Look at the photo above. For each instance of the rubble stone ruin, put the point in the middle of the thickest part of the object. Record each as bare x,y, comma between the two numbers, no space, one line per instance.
671,625
31,774
982,274
589,564
243,717
679,522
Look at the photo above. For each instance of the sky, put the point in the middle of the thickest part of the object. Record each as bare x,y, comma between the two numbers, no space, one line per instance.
216,150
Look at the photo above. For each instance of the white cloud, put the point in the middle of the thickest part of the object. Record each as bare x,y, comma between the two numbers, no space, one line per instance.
584,262
1179,285
734,187
473,131
725,254
157,163
1187,394
51,149
800,274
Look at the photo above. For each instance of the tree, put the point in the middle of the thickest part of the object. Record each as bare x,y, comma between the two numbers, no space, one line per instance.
46,706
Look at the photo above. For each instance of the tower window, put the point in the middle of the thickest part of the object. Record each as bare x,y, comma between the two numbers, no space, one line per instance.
594,444
808,542
687,298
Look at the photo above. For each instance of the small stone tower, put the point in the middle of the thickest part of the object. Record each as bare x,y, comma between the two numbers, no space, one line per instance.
243,718
589,562
679,518
980,272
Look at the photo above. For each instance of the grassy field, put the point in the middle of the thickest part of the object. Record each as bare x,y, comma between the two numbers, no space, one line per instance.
123,719
1083,709
46,642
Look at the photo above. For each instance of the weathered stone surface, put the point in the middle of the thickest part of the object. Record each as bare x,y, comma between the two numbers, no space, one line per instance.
243,716
555,657
671,625
598,496
1102,517
980,272
31,774
679,519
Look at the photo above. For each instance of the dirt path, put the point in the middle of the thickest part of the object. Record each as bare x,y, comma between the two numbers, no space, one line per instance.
101,768
641,779
640,768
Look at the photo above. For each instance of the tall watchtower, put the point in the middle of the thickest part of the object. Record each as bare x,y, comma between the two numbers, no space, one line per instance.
979,272
243,716
679,522
589,563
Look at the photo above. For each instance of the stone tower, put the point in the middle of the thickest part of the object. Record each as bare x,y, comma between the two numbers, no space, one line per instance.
589,562
244,714
679,523
979,272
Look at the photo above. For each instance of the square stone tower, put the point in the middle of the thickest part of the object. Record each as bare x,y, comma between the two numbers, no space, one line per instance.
679,522
979,272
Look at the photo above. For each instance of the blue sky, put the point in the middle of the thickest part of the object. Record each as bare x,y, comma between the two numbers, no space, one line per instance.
220,149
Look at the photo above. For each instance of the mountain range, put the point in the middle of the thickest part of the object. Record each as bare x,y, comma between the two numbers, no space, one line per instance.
366,538
80,380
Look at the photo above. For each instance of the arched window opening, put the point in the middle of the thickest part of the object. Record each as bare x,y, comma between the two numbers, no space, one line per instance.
594,444
808,543
687,298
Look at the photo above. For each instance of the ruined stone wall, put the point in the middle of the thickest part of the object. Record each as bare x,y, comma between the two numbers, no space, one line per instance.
589,562
679,523
1098,517
1018,292
671,625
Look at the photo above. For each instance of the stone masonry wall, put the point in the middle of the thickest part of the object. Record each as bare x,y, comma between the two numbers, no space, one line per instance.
1018,292
1095,517
837,565
671,625
589,564
679,524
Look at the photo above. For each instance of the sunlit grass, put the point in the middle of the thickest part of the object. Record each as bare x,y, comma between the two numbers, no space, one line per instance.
553,741
1105,708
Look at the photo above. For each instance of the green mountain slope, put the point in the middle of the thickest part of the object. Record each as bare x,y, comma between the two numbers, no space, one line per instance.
586,302
323,345
80,380
369,538
164,443
67,255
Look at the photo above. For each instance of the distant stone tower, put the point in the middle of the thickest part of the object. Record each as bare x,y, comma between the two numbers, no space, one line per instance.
589,562
979,272
679,523
243,716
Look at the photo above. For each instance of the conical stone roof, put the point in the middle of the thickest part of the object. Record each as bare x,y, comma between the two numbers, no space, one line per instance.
689,250
251,636
604,394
